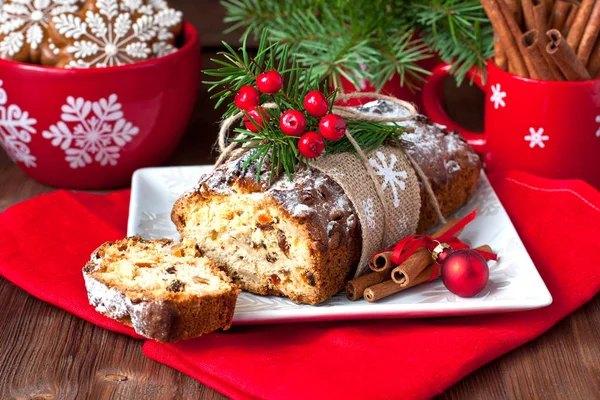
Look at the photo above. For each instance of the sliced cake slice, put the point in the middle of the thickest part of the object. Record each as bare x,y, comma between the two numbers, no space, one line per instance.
165,291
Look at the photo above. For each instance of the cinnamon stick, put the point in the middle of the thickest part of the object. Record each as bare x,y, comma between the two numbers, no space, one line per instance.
516,10
381,261
579,23
356,287
540,16
388,288
542,44
528,14
499,54
590,35
594,63
558,15
493,9
570,19
564,56
378,265
529,41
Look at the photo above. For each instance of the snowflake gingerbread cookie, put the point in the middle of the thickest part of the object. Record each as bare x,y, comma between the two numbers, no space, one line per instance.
24,26
115,32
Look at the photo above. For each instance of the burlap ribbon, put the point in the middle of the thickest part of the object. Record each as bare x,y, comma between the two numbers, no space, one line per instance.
384,220
382,185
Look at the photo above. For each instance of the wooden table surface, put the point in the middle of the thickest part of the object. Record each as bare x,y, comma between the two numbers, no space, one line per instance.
47,353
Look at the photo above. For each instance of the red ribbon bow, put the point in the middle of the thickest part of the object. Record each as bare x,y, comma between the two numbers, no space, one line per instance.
407,246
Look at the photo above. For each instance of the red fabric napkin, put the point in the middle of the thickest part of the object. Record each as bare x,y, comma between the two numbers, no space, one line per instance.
46,241
372,359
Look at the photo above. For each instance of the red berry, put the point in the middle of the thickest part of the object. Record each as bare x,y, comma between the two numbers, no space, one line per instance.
332,127
292,123
246,97
269,82
311,145
255,122
316,104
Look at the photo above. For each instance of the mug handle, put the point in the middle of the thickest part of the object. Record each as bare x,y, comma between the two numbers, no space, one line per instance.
433,93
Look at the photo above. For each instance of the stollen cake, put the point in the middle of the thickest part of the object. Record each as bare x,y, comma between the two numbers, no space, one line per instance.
165,291
302,238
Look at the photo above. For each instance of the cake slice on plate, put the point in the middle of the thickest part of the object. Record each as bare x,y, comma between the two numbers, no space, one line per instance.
165,291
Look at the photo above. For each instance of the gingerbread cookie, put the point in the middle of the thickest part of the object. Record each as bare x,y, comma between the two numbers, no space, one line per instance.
24,24
112,32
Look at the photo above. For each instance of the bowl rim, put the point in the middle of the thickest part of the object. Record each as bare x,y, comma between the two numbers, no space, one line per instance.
190,35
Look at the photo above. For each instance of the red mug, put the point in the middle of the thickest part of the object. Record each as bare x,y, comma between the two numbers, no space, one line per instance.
547,128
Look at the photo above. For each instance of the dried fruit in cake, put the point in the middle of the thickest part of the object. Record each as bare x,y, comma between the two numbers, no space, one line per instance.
111,33
24,26
165,291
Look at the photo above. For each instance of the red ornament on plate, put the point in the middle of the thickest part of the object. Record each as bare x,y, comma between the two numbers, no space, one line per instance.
246,97
269,82
311,145
465,272
315,103
255,122
292,123
332,127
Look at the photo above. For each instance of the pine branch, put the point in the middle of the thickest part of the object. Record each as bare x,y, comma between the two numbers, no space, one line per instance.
339,38
238,68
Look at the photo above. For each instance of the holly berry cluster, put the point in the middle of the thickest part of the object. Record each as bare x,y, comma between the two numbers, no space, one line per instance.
292,122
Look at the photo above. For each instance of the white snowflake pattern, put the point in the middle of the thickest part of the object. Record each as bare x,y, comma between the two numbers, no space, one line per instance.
16,128
23,22
536,137
598,122
91,128
497,96
390,177
369,212
121,32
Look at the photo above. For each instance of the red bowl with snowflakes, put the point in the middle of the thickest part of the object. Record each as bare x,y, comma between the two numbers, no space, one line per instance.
92,128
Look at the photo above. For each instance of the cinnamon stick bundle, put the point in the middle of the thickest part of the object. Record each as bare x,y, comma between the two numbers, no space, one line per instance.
590,35
579,24
529,41
387,288
382,261
564,56
502,29
403,274
558,15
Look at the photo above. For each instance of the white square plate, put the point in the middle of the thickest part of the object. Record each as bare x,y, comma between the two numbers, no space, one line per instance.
514,281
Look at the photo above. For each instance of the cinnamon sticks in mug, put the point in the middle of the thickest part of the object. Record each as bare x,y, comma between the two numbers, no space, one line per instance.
537,39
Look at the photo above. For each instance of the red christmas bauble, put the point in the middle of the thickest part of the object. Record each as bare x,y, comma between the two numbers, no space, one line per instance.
246,97
269,82
332,127
255,122
292,123
465,272
311,145
315,103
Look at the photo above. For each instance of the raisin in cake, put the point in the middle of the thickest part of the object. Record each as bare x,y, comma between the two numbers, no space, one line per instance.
165,291
302,239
